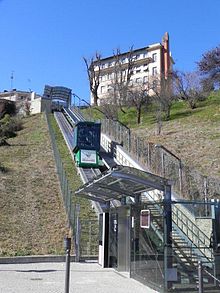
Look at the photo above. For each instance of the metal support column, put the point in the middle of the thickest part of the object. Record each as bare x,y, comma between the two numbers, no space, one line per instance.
216,236
167,237
200,275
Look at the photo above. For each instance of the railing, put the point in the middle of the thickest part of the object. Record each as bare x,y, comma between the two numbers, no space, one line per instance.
118,131
186,181
193,233
85,232
65,189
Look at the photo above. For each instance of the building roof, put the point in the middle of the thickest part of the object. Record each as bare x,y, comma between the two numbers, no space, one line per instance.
148,48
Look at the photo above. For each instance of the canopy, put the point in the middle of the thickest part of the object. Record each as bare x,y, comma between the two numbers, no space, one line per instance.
120,182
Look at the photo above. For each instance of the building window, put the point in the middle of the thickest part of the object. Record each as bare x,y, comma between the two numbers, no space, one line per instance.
109,89
154,84
146,67
145,79
134,57
154,71
138,80
138,69
102,89
154,57
104,65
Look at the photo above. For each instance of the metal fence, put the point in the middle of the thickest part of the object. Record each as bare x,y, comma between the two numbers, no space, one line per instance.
186,182
64,185
85,232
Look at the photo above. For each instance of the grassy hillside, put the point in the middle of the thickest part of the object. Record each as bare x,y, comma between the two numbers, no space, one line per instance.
193,135
32,217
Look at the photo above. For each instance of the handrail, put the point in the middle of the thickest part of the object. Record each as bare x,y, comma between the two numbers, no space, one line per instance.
198,238
162,161
194,234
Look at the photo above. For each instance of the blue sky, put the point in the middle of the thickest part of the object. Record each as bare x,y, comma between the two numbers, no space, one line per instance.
44,41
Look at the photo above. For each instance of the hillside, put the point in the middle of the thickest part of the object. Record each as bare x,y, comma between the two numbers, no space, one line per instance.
32,216
192,135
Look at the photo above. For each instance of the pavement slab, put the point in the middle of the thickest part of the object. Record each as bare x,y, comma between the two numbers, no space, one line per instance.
50,278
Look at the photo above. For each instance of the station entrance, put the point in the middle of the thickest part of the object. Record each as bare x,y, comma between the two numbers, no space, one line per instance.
152,238
123,243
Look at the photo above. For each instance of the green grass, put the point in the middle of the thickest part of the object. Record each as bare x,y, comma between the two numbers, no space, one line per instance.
191,134
87,214
86,211
207,110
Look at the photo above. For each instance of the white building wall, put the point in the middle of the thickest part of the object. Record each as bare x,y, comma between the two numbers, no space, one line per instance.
39,105
36,106
142,72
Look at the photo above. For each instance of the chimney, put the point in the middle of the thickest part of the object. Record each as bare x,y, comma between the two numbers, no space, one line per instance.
166,54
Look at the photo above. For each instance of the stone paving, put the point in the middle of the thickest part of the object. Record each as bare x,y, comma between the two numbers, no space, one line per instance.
50,278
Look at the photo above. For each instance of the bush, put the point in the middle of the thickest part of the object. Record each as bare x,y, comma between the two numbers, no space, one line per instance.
9,126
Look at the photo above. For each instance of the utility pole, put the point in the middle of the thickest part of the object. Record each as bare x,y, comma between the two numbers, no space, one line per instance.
67,244
12,79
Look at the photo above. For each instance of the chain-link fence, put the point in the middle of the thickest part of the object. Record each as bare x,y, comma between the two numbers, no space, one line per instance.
85,232
187,182
65,189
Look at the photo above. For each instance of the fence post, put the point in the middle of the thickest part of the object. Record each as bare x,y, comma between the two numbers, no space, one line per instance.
180,177
148,157
206,195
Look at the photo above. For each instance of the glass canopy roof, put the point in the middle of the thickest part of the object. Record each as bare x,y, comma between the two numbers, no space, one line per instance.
56,92
120,182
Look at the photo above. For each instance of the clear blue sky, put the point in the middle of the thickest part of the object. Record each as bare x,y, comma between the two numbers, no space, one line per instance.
43,41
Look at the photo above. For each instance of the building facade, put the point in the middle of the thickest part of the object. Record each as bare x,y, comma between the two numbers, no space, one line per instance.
35,102
145,63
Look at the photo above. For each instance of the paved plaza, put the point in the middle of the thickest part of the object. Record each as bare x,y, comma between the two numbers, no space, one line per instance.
50,278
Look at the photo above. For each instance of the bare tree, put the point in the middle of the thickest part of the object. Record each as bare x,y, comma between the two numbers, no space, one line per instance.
162,87
109,109
27,107
189,87
121,76
138,97
93,67
209,66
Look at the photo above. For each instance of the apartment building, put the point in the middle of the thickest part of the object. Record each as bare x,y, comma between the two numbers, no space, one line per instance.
152,61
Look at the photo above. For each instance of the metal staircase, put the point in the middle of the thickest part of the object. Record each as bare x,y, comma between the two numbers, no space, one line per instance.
189,246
